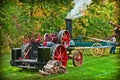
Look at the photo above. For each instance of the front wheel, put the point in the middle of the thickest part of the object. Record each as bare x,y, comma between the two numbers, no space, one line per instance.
77,58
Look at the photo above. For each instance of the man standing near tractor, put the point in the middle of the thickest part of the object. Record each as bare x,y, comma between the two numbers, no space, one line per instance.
115,36
112,50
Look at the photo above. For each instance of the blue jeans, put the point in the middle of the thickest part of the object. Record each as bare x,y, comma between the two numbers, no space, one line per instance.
112,50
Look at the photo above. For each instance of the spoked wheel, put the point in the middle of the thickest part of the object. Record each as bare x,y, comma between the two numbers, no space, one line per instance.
77,58
60,54
64,38
97,51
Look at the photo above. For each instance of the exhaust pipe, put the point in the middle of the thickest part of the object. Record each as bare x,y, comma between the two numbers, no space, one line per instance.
69,26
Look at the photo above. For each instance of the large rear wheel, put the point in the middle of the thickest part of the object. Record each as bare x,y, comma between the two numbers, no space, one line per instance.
59,53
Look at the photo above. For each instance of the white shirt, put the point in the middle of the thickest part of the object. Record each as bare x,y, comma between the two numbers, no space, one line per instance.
113,39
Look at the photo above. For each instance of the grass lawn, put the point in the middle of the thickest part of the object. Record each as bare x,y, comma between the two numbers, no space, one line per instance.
93,68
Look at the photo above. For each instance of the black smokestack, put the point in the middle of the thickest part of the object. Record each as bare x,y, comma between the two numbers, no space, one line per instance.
69,26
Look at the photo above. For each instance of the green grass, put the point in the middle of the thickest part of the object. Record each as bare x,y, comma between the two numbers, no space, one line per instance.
93,68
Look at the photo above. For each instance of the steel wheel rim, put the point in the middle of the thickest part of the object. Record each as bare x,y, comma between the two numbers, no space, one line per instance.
77,58
64,38
97,51
60,54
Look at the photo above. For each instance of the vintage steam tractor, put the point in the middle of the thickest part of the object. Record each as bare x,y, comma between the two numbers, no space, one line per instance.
55,46
34,54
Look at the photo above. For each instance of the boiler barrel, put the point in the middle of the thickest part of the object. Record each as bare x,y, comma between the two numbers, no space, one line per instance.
44,54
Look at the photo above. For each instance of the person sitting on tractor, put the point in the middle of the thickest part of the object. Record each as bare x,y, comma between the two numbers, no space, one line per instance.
28,43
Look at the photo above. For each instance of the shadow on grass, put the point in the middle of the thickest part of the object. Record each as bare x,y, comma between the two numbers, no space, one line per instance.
28,70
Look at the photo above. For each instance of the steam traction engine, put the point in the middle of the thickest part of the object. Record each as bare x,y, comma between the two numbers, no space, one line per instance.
34,54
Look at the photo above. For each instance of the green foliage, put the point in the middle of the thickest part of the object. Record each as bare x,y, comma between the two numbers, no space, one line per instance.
96,20
16,23
22,17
